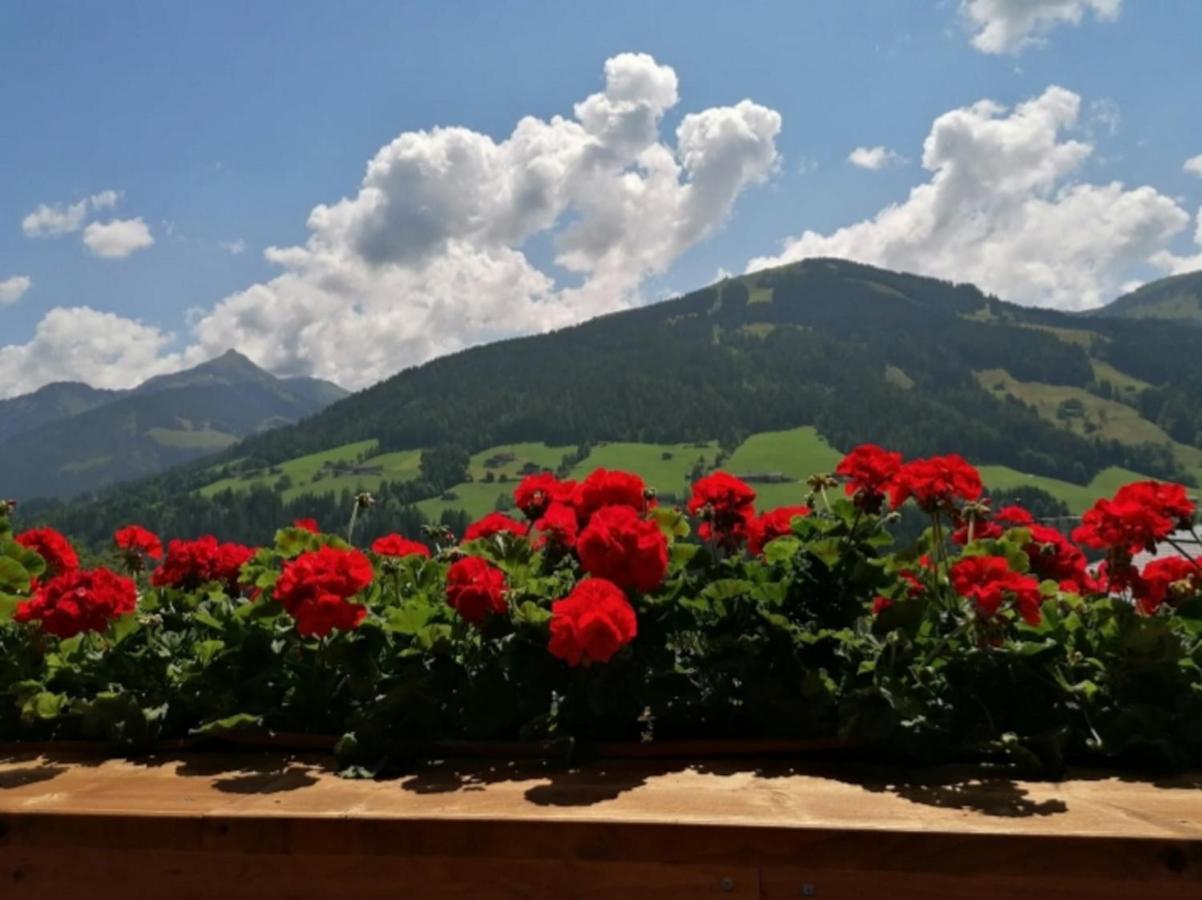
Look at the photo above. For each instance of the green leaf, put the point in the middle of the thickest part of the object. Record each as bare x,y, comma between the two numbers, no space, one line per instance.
782,549
43,705
533,614
8,606
433,636
408,619
205,651
671,522
236,722
682,554
13,575
828,550
124,626
204,617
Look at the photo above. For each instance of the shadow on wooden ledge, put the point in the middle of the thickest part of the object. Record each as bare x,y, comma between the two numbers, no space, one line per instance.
991,793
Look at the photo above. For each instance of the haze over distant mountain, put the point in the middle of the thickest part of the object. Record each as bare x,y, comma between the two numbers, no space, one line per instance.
1066,402
68,438
49,403
1178,298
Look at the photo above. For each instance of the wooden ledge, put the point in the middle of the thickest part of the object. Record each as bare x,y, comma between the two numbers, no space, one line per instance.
266,826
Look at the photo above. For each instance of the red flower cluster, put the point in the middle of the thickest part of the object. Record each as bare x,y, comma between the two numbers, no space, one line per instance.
535,493
771,525
605,488
1138,517
869,471
620,545
476,588
936,483
316,587
726,505
592,623
55,549
189,564
989,582
558,526
492,524
309,525
1170,580
1056,558
993,528
79,600
135,541
400,547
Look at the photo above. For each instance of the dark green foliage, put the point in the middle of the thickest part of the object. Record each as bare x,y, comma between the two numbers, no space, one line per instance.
445,465
787,645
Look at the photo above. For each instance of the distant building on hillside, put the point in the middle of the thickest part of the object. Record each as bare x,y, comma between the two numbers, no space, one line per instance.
766,478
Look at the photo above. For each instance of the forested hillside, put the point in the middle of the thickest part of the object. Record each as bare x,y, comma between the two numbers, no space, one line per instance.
69,438
859,353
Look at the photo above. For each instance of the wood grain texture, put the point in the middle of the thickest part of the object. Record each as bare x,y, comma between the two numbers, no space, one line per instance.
266,826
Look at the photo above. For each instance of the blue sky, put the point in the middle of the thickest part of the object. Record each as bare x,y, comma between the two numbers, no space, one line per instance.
222,126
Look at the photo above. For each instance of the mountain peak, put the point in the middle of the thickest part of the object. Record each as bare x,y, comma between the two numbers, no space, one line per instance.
230,367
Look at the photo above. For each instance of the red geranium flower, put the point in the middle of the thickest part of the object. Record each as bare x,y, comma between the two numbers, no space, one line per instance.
880,604
315,588
536,492
135,540
189,564
592,623
989,582
395,545
476,588
1171,579
78,600
1168,499
726,505
55,549
993,528
771,525
558,526
309,525
869,471
494,523
620,545
606,488
1138,517
1055,557
936,483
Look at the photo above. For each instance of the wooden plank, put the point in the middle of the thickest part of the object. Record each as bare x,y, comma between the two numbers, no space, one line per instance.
257,825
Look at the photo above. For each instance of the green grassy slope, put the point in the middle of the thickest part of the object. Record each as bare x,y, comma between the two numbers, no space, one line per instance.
1178,298
796,453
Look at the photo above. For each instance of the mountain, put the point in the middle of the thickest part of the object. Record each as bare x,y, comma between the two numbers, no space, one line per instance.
49,403
69,438
1178,298
761,372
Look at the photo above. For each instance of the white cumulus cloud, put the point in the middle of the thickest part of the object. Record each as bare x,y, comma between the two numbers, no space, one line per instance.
55,220
12,289
83,344
1008,26
1193,165
430,254
1179,265
117,238
874,158
1003,208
